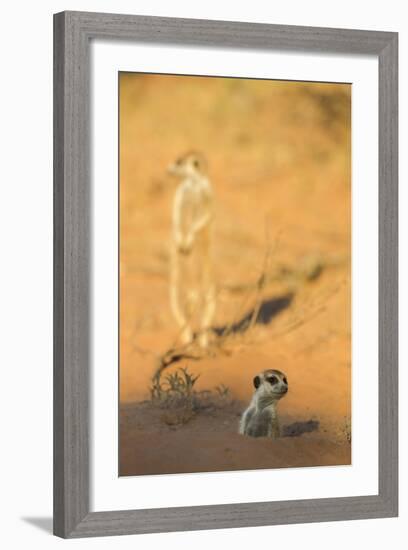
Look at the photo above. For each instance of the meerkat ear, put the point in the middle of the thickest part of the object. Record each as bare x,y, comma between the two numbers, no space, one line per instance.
257,382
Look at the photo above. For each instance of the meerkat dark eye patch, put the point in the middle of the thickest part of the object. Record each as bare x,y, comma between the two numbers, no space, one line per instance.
196,163
257,382
285,380
272,380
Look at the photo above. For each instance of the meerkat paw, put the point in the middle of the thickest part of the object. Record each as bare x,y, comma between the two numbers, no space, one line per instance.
203,339
185,245
184,249
186,335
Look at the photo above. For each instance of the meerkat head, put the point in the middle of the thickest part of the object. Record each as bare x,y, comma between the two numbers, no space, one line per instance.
271,384
189,165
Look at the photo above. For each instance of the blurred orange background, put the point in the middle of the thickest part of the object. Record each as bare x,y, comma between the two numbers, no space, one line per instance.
279,156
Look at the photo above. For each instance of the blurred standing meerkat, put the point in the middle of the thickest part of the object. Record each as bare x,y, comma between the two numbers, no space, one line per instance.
192,288
260,419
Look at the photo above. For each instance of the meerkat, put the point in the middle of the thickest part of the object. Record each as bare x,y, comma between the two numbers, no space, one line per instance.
260,419
192,289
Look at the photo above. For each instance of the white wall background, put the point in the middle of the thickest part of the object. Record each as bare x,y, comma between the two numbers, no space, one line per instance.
26,269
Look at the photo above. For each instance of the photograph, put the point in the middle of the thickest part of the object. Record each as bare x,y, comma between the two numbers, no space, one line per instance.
234,266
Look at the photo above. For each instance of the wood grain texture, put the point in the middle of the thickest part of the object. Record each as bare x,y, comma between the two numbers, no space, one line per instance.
72,281
388,273
228,33
72,196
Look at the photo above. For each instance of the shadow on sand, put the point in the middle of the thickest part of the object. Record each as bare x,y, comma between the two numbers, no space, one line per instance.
299,428
268,309
258,315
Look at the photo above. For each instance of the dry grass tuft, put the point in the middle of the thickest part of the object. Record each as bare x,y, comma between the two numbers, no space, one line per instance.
176,395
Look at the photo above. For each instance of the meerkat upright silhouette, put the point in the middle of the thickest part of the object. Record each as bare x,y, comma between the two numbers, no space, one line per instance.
192,286
260,419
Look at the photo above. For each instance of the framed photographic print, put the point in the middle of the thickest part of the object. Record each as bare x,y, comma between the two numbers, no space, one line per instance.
225,287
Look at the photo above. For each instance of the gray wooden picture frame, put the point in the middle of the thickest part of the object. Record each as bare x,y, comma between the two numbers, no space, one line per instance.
72,200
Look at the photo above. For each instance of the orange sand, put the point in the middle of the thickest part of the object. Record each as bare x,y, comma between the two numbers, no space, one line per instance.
279,158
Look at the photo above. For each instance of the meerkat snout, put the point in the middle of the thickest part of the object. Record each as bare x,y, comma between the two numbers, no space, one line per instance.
260,419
